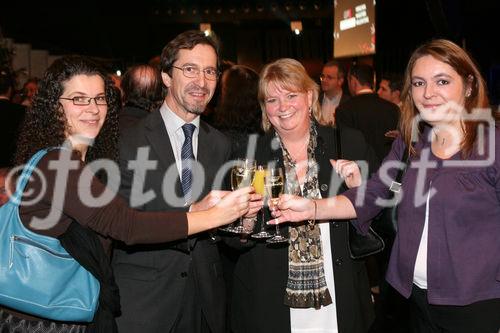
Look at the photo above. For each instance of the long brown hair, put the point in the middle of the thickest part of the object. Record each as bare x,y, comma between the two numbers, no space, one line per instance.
453,55
238,107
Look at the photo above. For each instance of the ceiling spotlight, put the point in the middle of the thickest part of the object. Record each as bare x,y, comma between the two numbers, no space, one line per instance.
259,8
218,10
207,11
182,11
316,6
206,28
195,11
232,9
274,6
302,6
296,27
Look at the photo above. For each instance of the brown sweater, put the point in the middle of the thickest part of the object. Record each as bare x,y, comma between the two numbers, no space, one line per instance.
114,220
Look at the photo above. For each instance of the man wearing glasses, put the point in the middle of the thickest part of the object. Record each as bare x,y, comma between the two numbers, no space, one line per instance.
176,287
332,79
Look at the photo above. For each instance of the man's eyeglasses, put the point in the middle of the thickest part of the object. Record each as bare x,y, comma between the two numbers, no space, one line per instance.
192,71
83,100
324,77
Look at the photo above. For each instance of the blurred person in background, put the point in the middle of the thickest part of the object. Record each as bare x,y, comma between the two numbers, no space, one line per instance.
332,80
238,113
143,92
30,88
11,116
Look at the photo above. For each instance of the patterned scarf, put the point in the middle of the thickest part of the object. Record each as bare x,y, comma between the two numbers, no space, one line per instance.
306,286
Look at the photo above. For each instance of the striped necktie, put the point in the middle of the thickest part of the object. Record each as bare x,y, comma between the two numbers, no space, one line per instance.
187,158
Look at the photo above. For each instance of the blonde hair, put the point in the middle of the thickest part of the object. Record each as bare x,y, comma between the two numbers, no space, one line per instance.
288,74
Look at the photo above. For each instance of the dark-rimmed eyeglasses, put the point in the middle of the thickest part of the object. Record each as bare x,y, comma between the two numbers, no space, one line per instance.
83,100
192,72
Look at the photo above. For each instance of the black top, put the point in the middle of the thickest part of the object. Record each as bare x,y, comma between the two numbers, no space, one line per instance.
373,116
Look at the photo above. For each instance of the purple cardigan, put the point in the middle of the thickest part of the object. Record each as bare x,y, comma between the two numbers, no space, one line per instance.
463,258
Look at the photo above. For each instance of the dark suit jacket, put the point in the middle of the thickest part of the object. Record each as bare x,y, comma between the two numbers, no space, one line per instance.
373,116
152,279
11,117
130,115
261,272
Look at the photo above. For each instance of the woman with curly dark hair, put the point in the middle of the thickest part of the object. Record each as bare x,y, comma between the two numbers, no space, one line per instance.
76,108
46,124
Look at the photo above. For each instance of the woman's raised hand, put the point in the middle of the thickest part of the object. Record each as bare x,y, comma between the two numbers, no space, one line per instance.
291,208
255,205
349,171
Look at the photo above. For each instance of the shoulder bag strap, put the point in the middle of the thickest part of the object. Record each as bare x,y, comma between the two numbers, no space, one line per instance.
338,142
26,174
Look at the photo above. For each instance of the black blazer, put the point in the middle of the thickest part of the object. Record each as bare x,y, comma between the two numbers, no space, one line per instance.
130,115
373,116
152,278
261,272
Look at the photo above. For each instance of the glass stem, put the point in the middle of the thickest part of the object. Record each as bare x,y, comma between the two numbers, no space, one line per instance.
262,224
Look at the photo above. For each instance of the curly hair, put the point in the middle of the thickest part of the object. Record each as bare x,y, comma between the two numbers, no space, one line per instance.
239,107
45,123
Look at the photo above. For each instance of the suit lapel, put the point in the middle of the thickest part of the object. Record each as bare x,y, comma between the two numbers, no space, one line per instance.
205,147
157,135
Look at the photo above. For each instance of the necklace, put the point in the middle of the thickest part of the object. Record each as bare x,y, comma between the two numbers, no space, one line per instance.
439,141
303,147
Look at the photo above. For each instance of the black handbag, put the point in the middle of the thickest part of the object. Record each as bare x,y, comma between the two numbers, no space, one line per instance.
361,246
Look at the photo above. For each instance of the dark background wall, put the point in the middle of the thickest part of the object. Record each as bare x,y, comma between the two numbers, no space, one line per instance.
252,32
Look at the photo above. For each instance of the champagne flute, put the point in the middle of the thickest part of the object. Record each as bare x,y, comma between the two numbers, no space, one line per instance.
259,186
275,184
241,176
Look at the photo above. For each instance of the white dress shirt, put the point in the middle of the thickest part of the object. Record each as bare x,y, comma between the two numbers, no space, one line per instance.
329,105
173,124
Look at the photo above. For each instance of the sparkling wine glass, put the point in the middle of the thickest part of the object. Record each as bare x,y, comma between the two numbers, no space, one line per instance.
259,186
242,175
275,184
